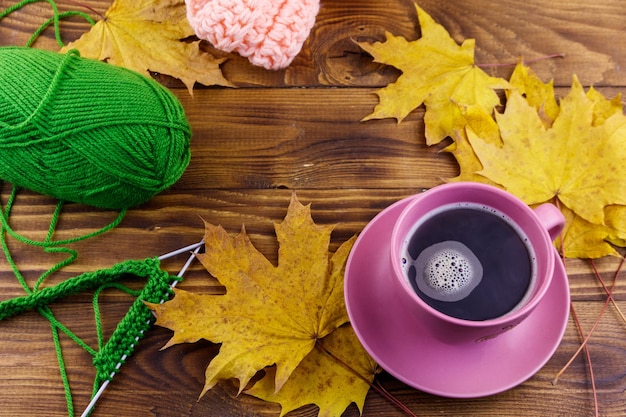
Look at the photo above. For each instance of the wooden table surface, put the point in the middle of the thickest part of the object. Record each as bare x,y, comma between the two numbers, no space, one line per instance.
299,129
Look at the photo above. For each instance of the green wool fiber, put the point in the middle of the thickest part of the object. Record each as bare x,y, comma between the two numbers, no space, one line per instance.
84,131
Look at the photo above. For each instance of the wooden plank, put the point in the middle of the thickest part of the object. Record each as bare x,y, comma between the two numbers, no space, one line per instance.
309,138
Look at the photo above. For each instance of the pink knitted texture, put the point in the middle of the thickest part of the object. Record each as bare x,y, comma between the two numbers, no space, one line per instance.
270,33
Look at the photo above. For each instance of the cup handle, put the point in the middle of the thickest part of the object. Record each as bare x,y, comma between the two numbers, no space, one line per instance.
551,218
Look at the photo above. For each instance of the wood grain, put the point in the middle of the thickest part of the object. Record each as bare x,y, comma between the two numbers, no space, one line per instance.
299,130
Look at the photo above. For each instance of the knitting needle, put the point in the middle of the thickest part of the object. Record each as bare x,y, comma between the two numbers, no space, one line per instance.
182,250
196,248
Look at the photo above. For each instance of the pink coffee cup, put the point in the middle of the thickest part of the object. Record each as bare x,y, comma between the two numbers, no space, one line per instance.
473,261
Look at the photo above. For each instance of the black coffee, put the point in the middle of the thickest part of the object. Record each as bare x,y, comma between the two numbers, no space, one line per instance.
469,261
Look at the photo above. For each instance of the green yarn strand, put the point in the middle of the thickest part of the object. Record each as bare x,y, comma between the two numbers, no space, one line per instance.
54,20
48,243
96,306
63,370
78,284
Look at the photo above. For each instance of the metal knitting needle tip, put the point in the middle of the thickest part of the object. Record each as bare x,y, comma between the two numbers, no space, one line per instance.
188,263
196,248
95,398
181,250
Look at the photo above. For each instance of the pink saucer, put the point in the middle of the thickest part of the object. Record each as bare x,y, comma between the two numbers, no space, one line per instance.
400,344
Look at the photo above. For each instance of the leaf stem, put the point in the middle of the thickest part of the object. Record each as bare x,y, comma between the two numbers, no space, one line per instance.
377,387
91,9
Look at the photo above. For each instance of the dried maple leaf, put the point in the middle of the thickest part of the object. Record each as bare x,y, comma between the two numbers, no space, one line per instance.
436,72
603,109
317,380
574,161
480,124
616,221
541,96
582,239
270,315
538,94
147,35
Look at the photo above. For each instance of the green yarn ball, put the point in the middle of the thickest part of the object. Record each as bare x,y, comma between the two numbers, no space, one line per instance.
84,131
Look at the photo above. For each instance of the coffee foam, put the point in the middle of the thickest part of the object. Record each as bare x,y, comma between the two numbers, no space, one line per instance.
408,263
447,271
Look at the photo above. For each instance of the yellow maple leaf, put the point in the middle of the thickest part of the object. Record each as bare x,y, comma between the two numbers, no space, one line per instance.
317,380
582,239
270,315
541,96
436,72
574,161
603,109
538,94
616,221
148,36
482,125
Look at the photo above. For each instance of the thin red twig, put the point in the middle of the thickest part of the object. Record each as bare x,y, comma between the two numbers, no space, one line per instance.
91,9
580,331
588,357
608,292
604,307
583,345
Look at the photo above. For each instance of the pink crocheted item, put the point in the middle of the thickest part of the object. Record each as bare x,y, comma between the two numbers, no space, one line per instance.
270,33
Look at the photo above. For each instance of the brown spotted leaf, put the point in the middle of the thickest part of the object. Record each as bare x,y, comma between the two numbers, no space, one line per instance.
270,315
149,36
318,380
